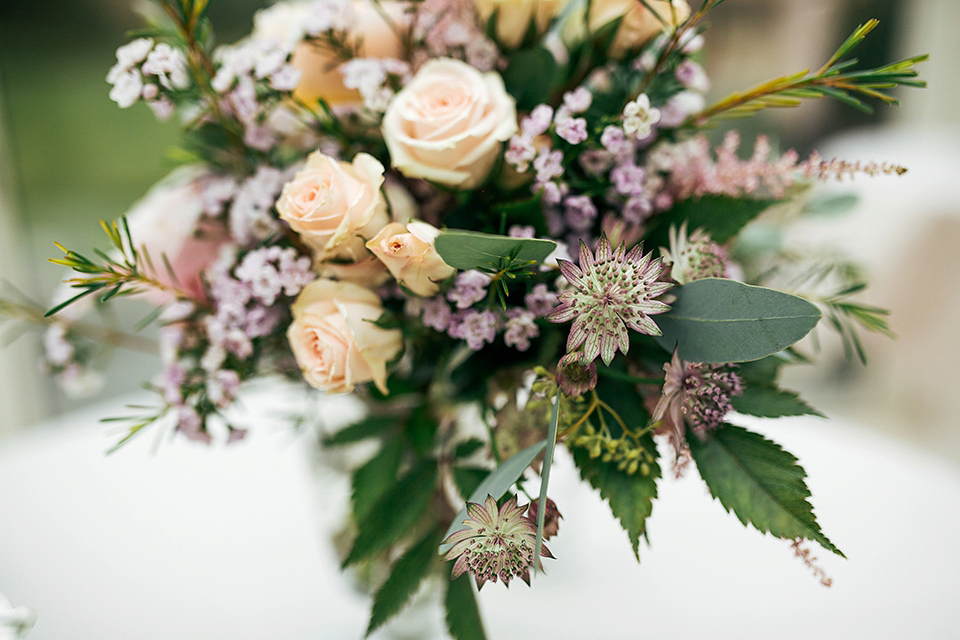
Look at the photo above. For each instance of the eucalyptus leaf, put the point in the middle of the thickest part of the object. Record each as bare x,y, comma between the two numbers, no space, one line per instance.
759,481
467,250
545,480
497,483
715,320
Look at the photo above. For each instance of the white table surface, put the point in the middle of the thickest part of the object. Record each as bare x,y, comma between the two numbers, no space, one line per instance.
233,543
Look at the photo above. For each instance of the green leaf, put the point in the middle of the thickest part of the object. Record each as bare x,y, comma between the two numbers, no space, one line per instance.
497,483
462,613
467,447
395,513
759,481
630,496
372,480
545,480
365,428
405,577
421,430
468,479
717,320
720,216
771,402
467,250
529,76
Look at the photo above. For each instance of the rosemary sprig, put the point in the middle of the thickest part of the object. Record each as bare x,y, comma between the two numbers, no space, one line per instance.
108,276
835,79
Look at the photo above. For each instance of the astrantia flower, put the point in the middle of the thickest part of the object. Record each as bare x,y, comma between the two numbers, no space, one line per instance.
612,292
497,543
693,257
695,394
574,377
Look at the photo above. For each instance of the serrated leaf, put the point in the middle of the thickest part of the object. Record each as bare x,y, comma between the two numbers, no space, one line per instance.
759,481
715,320
497,483
467,447
468,479
421,430
462,614
771,402
720,216
365,428
395,513
630,496
467,250
372,480
404,580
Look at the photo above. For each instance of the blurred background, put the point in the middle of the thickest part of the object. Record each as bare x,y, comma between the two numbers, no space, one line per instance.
69,157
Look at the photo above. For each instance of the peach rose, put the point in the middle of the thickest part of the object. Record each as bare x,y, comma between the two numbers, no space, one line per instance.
334,339
335,206
638,26
320,76
448,124
514,17
409,254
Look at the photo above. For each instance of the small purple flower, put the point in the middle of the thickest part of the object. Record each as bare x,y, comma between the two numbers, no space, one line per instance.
692,76
469,288
580,212
475,327
549,165
538,121
573,130
541,301
578,100
628,179
596,161
521,328
436,313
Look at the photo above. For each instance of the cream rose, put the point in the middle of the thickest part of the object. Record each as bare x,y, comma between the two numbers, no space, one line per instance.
638,26
514,17
334,340
335,206
448,124
411,257
320,77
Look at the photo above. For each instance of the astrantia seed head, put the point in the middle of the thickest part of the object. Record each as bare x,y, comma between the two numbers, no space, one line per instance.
497,544
612,291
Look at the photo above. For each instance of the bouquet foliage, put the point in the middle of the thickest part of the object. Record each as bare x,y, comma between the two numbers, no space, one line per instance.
503,225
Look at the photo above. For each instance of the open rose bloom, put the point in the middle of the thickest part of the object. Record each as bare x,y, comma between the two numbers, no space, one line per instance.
334,339
500,225
449,123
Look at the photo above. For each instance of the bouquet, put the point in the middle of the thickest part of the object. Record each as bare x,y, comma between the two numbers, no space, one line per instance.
504,226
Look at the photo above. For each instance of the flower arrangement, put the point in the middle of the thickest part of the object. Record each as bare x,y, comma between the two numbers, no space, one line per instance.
505,209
